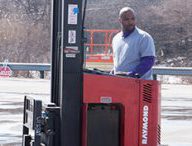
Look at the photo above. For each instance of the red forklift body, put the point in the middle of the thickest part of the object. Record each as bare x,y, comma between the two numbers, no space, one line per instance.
137,102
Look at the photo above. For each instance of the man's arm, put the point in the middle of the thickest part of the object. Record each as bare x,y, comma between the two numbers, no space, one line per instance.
145,65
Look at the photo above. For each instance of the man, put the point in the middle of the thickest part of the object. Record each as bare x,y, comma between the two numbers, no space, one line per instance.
133,48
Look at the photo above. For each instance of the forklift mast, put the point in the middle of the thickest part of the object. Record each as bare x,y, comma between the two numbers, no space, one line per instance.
67,75
63,114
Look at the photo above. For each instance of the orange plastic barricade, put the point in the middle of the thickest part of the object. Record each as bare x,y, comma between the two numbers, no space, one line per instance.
98,48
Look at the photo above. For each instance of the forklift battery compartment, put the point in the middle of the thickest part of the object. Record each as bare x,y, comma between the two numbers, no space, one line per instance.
103,125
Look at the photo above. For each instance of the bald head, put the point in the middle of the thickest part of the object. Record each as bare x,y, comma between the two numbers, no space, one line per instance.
124,10
127,19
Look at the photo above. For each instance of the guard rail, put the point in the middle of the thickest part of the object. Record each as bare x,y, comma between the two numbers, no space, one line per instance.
183,71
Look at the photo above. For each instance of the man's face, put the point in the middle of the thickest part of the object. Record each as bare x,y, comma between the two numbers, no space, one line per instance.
127,20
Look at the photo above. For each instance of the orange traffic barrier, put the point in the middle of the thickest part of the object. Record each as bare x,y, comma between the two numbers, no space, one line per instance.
98,48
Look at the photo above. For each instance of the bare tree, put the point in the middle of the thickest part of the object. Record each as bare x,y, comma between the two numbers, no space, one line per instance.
26,33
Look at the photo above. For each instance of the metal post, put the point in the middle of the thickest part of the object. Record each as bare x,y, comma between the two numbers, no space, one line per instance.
56,50
154,76
42,76
71,73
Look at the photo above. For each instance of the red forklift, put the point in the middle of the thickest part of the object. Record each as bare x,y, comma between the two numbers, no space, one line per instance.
89,107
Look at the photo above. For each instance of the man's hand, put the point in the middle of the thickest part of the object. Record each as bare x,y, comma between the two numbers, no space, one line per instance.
121,73
127,74
111,72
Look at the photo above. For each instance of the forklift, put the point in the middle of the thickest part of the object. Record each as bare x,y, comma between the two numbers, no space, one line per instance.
89,107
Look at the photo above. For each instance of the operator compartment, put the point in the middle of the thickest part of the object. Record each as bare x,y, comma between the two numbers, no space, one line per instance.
120,111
